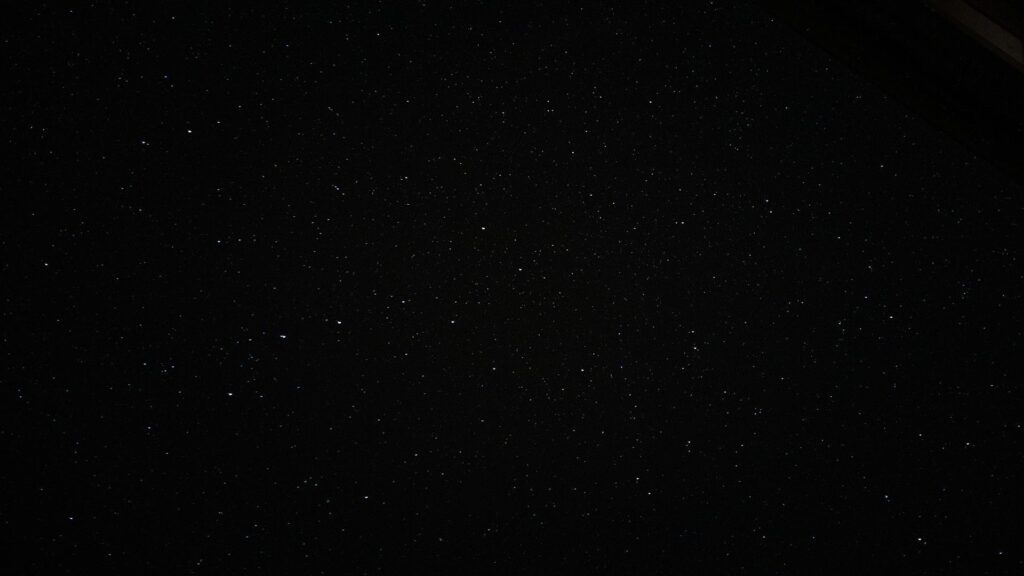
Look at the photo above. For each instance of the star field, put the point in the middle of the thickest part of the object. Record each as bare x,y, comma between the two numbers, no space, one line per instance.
494,288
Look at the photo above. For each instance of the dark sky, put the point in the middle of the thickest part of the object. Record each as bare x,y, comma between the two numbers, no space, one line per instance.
493,288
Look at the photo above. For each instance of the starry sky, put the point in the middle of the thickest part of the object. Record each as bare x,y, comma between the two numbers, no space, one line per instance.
493,288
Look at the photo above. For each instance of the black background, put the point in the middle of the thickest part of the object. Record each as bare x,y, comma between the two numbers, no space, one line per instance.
545,289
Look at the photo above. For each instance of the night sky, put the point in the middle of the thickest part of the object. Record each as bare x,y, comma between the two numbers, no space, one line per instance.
421,288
